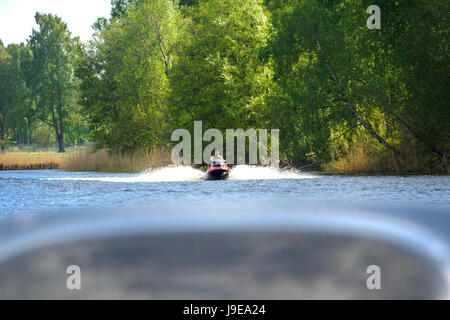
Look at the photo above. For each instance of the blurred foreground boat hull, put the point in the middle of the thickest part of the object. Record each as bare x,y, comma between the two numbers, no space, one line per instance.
266,253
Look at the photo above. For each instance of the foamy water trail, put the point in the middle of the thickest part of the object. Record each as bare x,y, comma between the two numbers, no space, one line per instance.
167,174
244,172
184,173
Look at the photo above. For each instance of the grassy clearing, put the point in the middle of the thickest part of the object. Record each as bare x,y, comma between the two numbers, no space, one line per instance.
101,160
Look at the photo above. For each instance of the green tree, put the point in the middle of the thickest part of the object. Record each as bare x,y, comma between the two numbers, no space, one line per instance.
120,7
124,77
218,77
5,61
344,81
51,77
319,66
21,111
17,114
415,44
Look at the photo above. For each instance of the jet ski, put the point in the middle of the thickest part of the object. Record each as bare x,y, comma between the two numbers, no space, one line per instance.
218,171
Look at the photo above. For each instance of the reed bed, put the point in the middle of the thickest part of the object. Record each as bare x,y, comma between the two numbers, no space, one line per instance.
30,160
357,161
363,160
102,160
360,160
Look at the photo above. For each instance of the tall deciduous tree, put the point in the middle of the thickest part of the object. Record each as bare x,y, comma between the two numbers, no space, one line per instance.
51,76
124,76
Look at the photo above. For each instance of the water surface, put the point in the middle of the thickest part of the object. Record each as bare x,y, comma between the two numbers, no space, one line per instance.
24,192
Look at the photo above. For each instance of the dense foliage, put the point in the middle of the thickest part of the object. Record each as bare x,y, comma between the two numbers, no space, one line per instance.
345,83
311,68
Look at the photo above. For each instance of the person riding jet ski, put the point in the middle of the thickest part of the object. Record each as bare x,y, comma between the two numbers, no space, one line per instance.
219,169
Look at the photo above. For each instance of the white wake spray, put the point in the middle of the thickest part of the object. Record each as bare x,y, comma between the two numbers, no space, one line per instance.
167,174
185,173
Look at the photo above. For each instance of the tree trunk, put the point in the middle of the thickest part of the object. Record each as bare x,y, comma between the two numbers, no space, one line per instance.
58,131
60,119
61,143
165,58
61,136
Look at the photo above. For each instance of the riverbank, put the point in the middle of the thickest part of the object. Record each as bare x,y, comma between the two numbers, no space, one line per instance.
355,162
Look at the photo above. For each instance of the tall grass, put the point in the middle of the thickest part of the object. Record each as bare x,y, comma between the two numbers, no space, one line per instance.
357,161
101,160
366,160
30,160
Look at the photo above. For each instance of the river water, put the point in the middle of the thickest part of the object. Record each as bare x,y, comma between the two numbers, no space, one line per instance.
30,192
